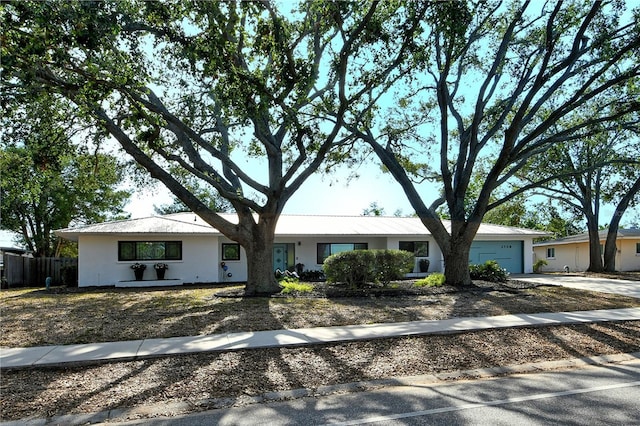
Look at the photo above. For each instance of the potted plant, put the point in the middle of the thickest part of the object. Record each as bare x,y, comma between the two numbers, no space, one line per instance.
160,270
138,270
423,264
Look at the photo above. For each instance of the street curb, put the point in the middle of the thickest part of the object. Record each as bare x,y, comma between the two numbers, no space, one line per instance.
187,407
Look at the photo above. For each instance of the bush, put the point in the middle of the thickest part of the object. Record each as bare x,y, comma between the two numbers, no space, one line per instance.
312,276
292,285
435,279
359,267
356,267
69,276
392,264
488,271
539,264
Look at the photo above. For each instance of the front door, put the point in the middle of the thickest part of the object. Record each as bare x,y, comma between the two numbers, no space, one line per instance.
280,257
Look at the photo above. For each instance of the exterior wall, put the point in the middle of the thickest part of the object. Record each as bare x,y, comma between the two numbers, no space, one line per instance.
237,268
306,249
436,262
98,263
202,257
627,258
576,256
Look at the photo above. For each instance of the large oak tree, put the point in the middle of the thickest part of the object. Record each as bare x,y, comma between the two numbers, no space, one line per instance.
200,86
499,77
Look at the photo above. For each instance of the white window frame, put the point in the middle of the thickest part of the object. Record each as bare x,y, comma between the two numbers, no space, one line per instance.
551,251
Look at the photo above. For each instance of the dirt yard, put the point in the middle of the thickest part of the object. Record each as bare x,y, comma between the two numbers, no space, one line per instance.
35,317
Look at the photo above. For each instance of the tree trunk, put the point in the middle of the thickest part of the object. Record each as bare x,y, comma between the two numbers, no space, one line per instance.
456,264
595,255
610,251
259,248
610,248
456,267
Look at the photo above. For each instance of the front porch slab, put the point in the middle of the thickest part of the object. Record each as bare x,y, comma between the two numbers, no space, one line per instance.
150,283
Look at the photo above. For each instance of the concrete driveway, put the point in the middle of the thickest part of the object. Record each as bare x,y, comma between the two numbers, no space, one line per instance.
604,285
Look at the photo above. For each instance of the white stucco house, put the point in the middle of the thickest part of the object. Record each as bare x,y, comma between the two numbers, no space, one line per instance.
573,252
195,252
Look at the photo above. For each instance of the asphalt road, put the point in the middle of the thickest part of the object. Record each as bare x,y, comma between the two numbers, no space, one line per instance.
603,395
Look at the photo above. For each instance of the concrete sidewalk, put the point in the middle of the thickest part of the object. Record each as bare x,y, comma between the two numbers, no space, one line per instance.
41,356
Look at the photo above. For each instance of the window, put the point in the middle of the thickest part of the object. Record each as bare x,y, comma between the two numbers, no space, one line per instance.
230,251
418,248
637,249
327,249
149,250
551,253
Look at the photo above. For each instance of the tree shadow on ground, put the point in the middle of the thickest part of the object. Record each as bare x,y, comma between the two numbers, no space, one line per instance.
223,379
211,380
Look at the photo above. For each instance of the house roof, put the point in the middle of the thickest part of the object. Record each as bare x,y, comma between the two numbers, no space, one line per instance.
288,225
584,237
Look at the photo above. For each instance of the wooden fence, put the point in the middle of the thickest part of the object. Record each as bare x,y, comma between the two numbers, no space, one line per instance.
22,271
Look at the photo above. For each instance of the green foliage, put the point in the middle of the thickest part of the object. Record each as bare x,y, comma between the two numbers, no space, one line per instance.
539,264
435,279
355,267
190,88
292,285
315,275
392,264
48,182
359,267
488,271
373,210
535,75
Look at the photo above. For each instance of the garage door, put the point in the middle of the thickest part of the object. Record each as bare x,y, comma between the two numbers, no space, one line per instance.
508,254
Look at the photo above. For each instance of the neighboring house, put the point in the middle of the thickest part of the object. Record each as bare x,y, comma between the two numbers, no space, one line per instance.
573,252
196,252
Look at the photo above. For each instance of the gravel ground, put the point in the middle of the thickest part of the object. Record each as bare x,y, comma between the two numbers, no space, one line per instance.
215,380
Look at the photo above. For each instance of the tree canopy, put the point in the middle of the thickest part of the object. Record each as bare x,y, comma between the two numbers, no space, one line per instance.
603,166
204,87
48,182
497,80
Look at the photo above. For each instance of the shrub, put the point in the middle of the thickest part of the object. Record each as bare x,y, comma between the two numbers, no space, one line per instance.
539,264
435,279
355,267
488,271
69,276
291,285
312,276
392,264
358,267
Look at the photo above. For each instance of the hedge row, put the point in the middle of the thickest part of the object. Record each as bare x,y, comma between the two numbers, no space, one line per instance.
356,268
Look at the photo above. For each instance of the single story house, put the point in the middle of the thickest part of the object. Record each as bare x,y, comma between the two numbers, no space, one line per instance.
195,252
573,252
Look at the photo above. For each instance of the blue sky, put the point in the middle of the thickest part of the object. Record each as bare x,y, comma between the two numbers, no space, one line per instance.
320,194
